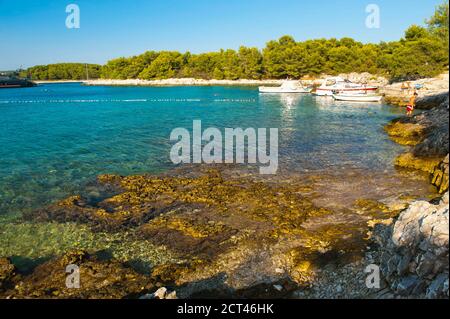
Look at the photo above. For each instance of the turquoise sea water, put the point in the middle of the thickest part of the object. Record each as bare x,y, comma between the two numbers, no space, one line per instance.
56,138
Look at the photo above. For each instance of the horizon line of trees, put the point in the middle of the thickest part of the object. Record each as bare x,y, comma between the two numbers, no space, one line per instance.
422,52
63,71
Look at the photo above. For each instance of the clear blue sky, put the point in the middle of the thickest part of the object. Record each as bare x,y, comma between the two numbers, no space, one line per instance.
34,32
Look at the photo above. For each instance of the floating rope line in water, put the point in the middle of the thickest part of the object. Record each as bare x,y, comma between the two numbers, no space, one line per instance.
128,101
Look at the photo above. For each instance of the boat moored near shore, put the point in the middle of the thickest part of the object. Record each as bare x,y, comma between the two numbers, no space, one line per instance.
357,97
337,84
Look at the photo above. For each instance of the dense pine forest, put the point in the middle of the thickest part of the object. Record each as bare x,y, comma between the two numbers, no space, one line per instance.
422,52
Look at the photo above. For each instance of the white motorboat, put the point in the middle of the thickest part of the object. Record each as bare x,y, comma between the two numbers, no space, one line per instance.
358,97
286,87
337,84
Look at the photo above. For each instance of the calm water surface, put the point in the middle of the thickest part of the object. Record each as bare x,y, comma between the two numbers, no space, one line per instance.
56,138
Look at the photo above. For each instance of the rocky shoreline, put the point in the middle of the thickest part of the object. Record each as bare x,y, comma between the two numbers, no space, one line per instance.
413,249
229,233
400,92
363,78
427,134
392,91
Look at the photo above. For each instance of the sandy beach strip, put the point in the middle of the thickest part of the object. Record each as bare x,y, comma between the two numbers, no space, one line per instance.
58,81
182,82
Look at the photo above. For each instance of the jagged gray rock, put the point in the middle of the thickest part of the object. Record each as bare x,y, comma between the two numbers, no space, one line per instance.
436,140
414,250
431,101
440,175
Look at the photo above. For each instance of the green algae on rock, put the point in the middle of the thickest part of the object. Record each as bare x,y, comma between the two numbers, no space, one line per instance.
29,244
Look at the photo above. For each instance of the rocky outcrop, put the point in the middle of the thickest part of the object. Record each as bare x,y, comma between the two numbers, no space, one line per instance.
428,134
428,131
440,176
413,251
211,220
431,101
435,141
425,164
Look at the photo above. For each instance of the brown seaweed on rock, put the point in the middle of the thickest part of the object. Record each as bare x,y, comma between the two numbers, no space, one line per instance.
428,135
187,205
8,274
231,231
98,280
427,132
216,224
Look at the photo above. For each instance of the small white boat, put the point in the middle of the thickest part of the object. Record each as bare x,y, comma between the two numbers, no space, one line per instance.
361,97
286,87
338,84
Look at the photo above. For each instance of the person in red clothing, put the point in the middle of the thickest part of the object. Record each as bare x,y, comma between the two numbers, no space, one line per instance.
412,104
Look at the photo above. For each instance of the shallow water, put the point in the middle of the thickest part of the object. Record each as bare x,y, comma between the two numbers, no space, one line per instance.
56,138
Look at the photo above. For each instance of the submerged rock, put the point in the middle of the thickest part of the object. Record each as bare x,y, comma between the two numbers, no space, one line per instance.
233,233
98,279
7,274
229,233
